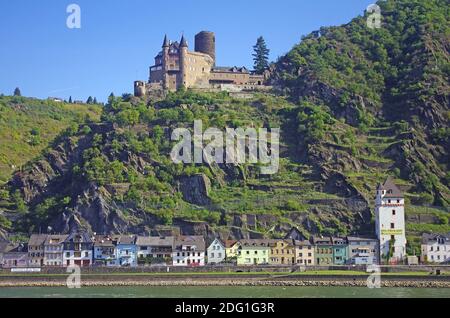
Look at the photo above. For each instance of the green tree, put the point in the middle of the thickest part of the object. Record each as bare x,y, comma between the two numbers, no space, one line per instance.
261,56
70,100
90,100
17,92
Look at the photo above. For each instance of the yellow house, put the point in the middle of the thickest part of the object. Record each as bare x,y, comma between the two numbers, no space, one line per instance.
282,252
304,253
253,252
231,249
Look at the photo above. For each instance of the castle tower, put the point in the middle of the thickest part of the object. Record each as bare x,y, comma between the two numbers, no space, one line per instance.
165,61
390,222
205,42
183,59
139,89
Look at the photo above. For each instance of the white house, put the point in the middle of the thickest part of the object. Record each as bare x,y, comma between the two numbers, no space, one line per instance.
53,250
189,251
105,251
362,251
390,222
78,250
435,248
216,252
154,249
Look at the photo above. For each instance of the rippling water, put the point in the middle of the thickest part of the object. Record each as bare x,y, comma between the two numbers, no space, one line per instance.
222,292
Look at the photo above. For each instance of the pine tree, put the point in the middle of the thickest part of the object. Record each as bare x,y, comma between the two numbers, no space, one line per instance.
17,92
70,100
261,56
95,100
89,100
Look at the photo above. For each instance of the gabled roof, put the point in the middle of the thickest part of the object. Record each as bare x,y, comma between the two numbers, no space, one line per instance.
302,243
321,240
230,243
55,239
106,240
155,241
37,239
360,239
257,243
127,239
198,241
431,238
218,240
338,241
82,237
392,191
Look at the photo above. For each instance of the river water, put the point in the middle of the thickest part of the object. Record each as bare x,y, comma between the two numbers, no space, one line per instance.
222,292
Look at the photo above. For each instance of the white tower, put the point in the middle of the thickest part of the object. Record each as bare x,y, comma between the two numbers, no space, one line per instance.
390,222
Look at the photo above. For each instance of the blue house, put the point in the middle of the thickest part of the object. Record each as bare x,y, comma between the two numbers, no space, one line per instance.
340,248
127,250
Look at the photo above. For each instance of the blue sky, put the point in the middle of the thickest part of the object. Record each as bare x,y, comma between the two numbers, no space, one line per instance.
118,39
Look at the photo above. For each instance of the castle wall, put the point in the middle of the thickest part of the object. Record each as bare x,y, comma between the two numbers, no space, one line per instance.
198,69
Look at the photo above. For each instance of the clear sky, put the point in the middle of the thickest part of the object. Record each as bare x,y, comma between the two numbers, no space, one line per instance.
118,39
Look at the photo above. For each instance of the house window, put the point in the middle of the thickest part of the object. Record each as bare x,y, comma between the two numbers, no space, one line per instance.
393,212
392,226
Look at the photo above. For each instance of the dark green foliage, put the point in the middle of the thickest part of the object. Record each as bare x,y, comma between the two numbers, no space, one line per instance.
261,56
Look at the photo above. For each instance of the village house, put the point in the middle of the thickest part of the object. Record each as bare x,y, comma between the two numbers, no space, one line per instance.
362,251
435,248
340,247
15,255
53,250
127,250
36,250
216,252
282,252
105,252
304,253
231,249
323,251
78,250
253,252
154,249
189,251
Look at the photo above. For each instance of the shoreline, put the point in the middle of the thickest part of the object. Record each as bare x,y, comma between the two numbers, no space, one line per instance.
332,281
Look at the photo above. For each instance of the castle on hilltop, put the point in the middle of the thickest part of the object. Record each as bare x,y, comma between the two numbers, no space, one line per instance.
176,67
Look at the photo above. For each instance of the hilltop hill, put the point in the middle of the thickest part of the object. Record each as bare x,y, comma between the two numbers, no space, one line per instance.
354,106
27,126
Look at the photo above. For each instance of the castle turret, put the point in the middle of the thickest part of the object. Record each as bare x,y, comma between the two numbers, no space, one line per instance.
183,60
205,42
139,89
165,61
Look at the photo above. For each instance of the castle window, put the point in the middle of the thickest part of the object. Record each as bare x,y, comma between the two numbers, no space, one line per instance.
393,212
392,226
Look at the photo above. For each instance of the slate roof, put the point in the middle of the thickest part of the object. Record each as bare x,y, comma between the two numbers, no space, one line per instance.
82,237
155,241
198,241
37,239
321,240
127,239
432,238
55,239
392,191
105,240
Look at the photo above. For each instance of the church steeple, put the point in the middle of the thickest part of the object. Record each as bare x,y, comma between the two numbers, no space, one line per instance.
166,42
